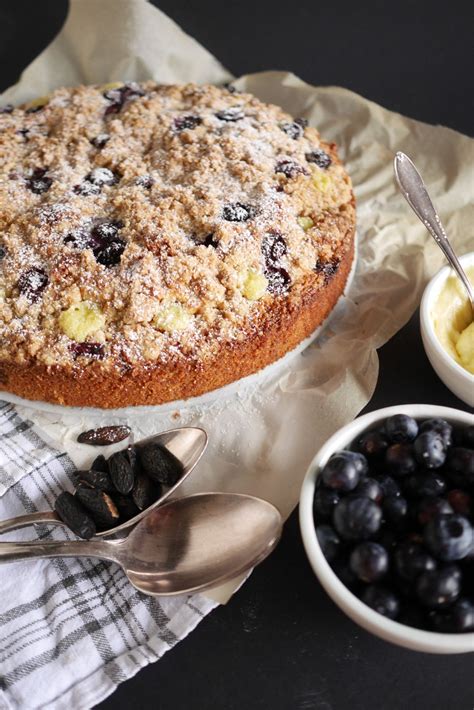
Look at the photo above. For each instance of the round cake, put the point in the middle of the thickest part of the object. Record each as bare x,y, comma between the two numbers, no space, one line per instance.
158,242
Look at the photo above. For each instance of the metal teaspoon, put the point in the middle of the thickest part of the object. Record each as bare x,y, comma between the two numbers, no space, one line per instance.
414,191
186,545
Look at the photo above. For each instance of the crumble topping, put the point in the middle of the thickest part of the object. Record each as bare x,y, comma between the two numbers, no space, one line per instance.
141,222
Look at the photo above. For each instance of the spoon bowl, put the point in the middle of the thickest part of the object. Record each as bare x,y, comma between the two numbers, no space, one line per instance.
187,444
187,544
199,541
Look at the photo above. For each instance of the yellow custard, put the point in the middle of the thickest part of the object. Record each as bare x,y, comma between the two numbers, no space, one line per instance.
452,319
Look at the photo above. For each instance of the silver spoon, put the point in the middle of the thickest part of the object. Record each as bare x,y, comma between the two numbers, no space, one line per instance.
183,546
186,443
414,191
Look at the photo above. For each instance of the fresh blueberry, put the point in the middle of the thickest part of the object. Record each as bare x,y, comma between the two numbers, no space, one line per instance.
188,122
381,600
341,569
411,559
32,283
439,588
325,500
373,444
467,436
424,484
369,488
401,429
430,449
459,618
412,615
430,507
230,115
319,157
440,427
6,108
449,537
387,537
3,252
357,518
340,473
328,541
388,485
400,459
369,561
237,212
395,509
460,501
461,462
290,168
358,459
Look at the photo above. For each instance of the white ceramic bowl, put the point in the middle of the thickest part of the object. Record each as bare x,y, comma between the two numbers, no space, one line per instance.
407,636
459,380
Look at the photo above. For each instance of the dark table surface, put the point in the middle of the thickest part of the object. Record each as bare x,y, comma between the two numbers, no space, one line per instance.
281,643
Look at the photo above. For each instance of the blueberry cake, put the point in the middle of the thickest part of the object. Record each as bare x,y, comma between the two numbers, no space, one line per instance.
158,242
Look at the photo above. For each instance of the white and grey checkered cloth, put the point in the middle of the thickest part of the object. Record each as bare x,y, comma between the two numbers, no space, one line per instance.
70,630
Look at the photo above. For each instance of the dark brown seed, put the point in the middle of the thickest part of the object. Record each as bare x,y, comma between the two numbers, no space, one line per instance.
121,472
97,479
104,435
126,507
75,515
100,464
160,464
145,491
99,504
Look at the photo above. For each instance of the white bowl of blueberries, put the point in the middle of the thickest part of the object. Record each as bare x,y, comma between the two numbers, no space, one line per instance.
387,519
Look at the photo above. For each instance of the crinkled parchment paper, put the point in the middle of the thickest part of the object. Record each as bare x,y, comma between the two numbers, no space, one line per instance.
263,437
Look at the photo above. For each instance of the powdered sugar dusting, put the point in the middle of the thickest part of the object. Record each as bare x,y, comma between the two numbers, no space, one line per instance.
190,176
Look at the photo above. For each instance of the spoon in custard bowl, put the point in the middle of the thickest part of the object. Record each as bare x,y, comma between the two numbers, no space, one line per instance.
414,191
187,544
187,444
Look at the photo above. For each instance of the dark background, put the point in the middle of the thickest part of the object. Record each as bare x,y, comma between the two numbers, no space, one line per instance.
281,643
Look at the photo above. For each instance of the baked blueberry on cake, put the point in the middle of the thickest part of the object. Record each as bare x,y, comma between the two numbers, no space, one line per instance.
158,242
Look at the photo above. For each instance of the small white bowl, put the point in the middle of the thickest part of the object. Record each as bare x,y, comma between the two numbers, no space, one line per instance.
459,380
416,639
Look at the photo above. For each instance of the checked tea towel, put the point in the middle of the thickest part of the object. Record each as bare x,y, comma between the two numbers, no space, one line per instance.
70,630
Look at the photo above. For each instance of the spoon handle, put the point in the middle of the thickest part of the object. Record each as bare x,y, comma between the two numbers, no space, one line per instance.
23,521
16,551
414,191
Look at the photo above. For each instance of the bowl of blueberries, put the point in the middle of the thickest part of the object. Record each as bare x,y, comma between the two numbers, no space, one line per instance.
387,520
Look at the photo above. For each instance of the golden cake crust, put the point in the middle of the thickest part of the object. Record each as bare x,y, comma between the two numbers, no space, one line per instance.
218,246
